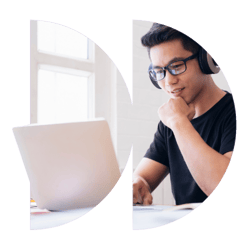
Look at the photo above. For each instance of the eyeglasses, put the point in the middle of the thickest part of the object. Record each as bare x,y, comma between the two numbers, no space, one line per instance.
174,68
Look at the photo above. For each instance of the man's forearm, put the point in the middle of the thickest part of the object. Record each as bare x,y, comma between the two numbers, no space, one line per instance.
152,172
206,165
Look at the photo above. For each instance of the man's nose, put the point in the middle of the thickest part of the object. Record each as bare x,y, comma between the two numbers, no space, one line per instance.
168,80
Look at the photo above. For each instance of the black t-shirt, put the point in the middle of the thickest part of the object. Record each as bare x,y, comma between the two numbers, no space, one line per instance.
217,127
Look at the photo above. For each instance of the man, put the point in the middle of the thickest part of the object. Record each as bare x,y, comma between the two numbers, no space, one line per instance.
196,133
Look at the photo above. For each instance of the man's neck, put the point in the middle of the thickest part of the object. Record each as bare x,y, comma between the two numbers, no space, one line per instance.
208,97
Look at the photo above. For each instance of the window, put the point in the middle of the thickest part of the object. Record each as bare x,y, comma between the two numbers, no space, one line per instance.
57,39
61,97
62,74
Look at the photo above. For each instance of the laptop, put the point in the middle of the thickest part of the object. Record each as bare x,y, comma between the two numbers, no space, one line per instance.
69,165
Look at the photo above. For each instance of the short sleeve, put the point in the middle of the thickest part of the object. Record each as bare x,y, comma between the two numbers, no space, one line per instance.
157,150
229,132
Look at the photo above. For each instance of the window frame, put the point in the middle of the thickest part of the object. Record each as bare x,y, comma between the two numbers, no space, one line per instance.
62,64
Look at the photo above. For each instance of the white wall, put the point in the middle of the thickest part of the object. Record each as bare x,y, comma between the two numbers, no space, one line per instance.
147,99
125,130
112,101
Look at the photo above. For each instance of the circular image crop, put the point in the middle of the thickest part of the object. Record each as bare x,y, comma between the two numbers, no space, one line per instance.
77,143
185,122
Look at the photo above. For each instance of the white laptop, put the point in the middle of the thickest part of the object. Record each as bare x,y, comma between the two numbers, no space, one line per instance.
69,165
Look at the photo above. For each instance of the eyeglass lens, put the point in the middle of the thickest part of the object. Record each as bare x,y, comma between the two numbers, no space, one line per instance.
177,67
174,68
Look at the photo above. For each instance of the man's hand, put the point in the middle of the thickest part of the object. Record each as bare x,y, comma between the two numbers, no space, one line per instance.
174,110
141,191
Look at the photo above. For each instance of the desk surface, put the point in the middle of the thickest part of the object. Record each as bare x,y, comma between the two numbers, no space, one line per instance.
146,217
43,219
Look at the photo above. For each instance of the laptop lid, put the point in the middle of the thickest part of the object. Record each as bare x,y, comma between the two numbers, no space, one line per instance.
69,165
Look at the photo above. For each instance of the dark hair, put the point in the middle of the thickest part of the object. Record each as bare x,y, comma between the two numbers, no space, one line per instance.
160,33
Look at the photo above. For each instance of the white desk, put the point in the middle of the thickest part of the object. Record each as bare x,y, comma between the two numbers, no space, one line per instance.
146,217
42,219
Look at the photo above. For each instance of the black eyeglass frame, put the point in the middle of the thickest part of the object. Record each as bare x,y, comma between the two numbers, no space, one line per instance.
167,67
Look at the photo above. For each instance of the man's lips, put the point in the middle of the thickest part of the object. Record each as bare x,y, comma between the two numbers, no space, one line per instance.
177,90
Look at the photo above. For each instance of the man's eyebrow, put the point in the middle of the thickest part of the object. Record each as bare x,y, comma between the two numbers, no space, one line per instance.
171,61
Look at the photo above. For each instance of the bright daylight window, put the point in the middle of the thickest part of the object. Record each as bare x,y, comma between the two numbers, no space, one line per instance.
61,40
61,97
64,80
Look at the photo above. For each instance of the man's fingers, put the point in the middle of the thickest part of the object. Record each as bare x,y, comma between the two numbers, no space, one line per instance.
141,193
146,196
148,199
137,198
135,193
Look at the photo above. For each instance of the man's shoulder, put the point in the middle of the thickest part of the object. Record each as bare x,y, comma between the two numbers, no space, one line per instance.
227,103
224,106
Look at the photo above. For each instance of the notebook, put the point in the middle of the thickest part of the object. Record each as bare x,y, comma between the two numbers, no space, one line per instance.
69,165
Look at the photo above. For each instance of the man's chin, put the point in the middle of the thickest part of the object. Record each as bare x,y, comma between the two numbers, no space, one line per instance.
187,101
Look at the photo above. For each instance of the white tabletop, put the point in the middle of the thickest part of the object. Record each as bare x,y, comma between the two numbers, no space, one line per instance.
42,219
146,217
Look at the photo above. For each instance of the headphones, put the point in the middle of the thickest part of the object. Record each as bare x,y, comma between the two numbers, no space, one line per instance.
206,62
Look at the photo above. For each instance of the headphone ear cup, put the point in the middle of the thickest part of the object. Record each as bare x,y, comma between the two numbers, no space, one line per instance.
152,80
207,63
